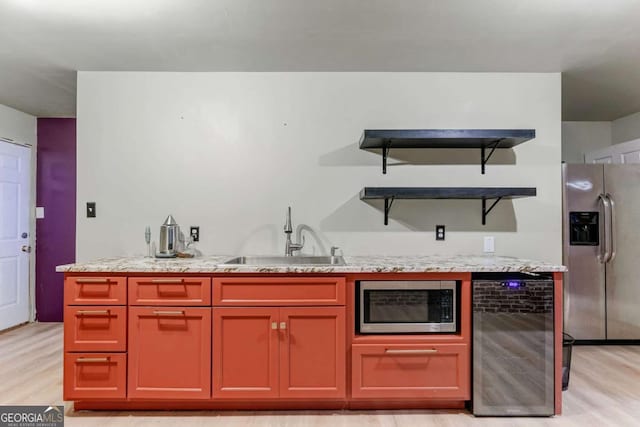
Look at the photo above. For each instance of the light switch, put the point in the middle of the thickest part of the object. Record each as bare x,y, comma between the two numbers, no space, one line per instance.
39,212
489,244
91,209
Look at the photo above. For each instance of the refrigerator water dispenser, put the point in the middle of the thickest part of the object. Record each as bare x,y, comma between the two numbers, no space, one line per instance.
584,229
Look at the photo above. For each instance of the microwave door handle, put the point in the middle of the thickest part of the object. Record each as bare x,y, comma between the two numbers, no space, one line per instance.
612,226
604,243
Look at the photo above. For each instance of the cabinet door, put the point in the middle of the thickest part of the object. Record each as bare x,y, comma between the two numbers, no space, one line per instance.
169,353
245,353
312,352
439,371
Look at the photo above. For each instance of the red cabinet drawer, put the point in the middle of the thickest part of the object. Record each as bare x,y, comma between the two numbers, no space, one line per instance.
95,376
95,290
169,353
410,371
95,328
179,291
278,291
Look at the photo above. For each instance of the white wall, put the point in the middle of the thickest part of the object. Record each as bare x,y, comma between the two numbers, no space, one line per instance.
625,128
230,151
579,138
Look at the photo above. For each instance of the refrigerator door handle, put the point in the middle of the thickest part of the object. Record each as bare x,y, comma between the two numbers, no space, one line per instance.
605,254
612,226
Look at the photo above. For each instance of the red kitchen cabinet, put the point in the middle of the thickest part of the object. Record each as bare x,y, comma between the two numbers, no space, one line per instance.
95,328
279,352
312,352
169,353
108,290
95,376
278,291
170,291
95,337
245,352
437,371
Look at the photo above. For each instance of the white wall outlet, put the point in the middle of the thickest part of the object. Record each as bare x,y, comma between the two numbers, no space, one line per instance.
39,212
489,244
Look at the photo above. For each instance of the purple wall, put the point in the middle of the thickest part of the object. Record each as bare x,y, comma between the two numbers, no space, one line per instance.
56,232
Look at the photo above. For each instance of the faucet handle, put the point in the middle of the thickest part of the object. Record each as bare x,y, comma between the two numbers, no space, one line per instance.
334,249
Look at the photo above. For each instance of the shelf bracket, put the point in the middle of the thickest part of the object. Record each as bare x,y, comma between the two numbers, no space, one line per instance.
486,211
484,159
385,153
387,208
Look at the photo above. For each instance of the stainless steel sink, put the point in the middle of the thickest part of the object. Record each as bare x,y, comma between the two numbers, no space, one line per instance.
286,260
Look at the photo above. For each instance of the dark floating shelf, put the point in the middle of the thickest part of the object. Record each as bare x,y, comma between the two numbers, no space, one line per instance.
444,138
389,194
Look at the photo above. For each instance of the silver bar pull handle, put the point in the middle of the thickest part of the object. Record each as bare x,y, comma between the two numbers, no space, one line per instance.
605,253
92,312
92,281
92,359
411,351
612,226
168,313
167,281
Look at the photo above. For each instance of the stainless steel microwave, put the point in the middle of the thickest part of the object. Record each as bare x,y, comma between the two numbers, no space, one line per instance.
407,307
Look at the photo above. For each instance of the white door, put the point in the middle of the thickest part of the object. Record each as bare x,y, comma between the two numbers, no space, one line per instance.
15,175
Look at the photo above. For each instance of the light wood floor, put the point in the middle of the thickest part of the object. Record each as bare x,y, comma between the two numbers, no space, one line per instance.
604,391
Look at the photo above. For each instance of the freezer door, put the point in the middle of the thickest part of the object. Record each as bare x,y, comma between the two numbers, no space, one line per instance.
584,284
622,184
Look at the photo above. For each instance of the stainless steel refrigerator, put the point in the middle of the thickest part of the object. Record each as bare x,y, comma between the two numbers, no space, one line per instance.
601,209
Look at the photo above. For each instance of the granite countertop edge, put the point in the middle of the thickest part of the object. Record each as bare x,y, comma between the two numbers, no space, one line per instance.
355,264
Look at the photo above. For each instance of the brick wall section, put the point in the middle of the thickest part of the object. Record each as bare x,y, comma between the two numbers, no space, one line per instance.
531,297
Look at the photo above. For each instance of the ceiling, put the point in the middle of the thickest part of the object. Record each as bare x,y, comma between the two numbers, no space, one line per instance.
595,43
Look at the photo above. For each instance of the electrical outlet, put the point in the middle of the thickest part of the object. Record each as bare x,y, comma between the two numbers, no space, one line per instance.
194,232
91,209
489,244
439,232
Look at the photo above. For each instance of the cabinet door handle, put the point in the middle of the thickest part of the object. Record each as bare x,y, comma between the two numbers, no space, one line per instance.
92,359
93,312
92,281
167,281
283,325
168,313
274,325
407,351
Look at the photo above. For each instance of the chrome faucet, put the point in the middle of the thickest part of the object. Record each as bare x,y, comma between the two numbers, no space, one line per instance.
289,246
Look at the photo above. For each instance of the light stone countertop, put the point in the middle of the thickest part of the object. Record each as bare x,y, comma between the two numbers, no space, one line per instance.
355,264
